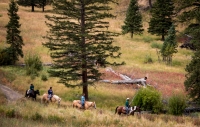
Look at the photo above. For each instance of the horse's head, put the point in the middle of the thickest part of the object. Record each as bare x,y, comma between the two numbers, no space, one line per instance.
37,92
138,109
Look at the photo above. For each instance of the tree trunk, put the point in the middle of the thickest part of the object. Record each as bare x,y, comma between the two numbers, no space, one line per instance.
84,63
131,34
140,81
32,8
163,35
43,8
150,4
126,79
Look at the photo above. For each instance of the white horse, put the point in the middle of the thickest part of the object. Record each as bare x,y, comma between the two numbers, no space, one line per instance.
54,99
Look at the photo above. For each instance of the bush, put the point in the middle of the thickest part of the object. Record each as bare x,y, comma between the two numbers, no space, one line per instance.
147,39
156,45
10,113
149,99
148,59
5,59
177,104
33,65
55,119
36,116
44,77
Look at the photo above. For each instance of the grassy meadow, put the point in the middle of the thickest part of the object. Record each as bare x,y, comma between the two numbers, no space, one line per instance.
135,52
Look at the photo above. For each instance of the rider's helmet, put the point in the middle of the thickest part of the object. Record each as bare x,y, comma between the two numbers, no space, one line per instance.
127,98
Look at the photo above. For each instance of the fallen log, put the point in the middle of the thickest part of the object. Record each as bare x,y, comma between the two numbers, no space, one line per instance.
141,81
126,79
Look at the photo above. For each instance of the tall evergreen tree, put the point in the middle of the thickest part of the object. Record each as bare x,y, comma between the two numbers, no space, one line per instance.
161,19
79,35
13,37
192,82
189,13
34,3
169,46
133,21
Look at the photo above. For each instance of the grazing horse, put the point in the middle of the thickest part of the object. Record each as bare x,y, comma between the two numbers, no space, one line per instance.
88,104
33,94
55,98
122,110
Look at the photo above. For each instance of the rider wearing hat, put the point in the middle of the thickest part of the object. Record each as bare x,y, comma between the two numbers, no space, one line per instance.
127,105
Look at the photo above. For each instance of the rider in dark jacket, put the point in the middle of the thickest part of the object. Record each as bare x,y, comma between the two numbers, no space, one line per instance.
50,93
31,90
127,105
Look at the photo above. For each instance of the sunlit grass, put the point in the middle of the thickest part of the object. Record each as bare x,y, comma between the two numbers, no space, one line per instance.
50,115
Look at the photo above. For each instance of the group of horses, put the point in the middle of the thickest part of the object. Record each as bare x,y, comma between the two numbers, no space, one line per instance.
77,103
44,98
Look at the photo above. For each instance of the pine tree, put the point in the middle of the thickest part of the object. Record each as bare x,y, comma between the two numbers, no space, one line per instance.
13,37
169,46
79,35
192,82
133,21
34,3
161,20
191,13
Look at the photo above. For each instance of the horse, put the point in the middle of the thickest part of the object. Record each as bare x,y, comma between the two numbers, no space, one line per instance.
134,109
33,94
53,99
122,110
88,104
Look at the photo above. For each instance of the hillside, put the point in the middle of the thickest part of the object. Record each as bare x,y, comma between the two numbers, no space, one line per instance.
135,53
166,79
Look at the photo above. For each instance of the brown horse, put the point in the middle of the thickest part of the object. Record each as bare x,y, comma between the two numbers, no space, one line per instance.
54,99
122,110
88,104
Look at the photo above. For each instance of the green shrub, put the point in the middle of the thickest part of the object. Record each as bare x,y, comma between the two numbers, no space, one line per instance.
148,59
55,119
147,39
33,65
44,77
10,113
36,116
2,111
156,45
177,104
5,59
149,99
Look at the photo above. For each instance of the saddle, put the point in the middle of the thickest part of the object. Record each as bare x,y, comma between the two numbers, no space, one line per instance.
124,108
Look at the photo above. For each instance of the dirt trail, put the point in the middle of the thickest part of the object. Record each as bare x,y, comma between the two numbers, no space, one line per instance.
10,94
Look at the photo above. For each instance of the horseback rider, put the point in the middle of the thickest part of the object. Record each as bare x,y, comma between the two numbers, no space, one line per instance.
50,93
83,101
31,90
127,105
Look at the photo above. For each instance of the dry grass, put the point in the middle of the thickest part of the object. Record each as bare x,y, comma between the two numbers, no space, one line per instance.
67,116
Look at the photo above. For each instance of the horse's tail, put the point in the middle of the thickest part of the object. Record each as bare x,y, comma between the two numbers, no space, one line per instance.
116,109
26,93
